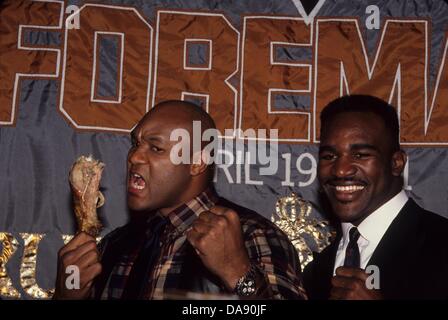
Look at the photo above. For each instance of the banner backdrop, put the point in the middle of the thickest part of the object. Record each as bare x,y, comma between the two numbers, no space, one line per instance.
75,77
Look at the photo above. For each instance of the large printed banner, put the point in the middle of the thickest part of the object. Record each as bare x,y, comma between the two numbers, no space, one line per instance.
75,77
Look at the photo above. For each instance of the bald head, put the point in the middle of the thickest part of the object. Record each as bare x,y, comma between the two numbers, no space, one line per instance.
161,162
183,113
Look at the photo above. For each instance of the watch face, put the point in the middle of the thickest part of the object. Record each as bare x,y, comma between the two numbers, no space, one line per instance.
246,287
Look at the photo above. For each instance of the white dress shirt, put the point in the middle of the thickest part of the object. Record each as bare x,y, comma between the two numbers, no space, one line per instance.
371,230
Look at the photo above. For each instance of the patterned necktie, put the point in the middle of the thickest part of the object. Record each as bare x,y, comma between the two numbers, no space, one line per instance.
352,257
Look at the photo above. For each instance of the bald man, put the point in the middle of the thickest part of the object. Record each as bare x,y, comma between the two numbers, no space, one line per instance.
182,237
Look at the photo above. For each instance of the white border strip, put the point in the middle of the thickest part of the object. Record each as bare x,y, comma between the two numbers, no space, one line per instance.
61,99
120,79
270,90
156,57
210,48
206,96
18,76
371,68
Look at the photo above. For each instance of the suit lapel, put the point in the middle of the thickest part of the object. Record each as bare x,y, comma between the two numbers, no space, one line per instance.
396,256
400,235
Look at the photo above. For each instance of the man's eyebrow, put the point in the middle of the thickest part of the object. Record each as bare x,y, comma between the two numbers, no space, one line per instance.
355,146
358,146
154,138
326,148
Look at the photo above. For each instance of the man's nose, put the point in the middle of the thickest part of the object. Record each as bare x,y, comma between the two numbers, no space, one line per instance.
343,167
136,156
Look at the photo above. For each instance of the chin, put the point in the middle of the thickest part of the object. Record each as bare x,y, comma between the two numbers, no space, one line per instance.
133,206
347,213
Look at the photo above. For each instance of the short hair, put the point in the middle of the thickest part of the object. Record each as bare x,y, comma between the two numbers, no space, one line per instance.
365,103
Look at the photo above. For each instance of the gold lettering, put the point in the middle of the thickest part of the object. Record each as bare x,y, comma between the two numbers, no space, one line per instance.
28,267
9,247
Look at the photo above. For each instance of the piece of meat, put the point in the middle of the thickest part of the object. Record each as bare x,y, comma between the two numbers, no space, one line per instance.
84,177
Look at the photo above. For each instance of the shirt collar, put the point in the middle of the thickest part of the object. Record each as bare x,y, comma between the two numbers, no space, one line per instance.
183,216
376,224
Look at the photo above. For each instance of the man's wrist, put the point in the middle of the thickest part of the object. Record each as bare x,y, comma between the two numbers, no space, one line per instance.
232,279
246,285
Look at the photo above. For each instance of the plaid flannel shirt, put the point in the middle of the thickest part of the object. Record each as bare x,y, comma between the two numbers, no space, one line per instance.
268,249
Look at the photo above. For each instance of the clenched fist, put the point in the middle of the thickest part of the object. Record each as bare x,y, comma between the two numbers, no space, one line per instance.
350,284
82,252
217,237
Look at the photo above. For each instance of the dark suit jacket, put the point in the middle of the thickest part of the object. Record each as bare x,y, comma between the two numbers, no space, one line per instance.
412,258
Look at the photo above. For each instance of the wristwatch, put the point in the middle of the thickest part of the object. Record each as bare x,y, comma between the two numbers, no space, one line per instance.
246,285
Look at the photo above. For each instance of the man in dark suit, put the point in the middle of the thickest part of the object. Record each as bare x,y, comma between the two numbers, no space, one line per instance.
387,246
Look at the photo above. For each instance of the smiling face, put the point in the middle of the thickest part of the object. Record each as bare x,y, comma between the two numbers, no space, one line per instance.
154,182
358,169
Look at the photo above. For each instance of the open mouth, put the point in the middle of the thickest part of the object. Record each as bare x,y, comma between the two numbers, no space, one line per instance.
136,181
349,189
347,192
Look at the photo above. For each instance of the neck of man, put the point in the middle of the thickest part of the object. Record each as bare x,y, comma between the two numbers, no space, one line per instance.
196,187
396,187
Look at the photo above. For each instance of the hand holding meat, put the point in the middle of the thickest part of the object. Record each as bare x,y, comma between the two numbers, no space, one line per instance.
85,176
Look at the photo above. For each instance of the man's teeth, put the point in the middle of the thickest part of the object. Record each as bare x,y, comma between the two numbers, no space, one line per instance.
349,188
137,181
136,186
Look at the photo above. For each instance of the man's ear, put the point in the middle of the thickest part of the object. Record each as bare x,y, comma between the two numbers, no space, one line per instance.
399,159
199,164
